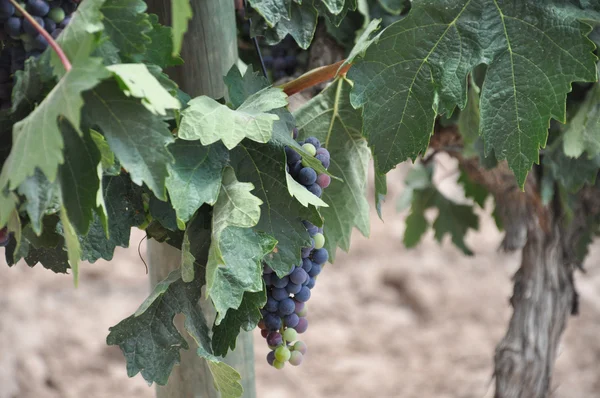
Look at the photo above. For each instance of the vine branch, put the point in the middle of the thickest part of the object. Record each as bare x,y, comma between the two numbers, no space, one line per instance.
59,51
314,77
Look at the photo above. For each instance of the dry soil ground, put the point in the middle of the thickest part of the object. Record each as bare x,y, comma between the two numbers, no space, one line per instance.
384,322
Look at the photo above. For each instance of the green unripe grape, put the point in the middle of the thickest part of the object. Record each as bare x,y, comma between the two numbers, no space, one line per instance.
319,240
301,347
278,364
17,12
303,312
282,354
296,358
57,14
290,334
310,148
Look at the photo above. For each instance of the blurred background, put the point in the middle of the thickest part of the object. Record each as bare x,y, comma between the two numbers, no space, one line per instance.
384,321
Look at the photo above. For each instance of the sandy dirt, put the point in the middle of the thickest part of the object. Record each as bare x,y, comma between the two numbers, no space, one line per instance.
384,322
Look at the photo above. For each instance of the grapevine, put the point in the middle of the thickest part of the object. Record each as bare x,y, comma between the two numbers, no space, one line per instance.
116,114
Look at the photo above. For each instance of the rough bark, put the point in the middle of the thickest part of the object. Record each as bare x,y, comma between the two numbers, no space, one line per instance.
544,293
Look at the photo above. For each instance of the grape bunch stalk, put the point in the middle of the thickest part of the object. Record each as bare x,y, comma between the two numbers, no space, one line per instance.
19,38
284,314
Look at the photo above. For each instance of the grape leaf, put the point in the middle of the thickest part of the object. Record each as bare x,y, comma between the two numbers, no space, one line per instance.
236,251
335,14
52,257
107,157
583,131
453,218
331,118
71,244
40,195
125,209
195,177
151,342
196,243
181,13
571,173
241,87
301,25
127,25
363,42
79,177
304,196
42,147
272,10
209,121
137,137
418,68
160,50
136,80
246,316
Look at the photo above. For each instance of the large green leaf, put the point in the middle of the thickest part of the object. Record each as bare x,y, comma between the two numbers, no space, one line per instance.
331,118
127,25
418,69
37,140
583,131
236,251
137,137
209,121
151,342
136,80
453,218
195,177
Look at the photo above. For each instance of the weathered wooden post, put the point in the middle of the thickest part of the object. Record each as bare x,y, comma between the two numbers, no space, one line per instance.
209,50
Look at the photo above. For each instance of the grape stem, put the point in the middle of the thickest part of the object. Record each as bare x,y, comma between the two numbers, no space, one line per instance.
315,76
59,51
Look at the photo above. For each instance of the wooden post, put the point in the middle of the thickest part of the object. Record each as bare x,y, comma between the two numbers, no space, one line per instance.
209,50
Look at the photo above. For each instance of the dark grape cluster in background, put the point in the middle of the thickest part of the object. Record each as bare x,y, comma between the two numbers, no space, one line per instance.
282,60
284,314
20,40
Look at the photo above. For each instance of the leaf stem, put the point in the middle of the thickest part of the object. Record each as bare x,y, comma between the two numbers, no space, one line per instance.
314,77
61,54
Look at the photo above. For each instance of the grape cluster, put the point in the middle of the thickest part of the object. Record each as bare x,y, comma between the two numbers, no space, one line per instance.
284,314
283,59
20,38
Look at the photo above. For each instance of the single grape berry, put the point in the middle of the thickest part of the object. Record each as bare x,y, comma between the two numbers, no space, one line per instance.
264,333
298,276
279,294
6,9
38,8
311,282
272,322
303,295
319,240
291,320
296,358
274,339
315,270
320,256
57,14
323,180
291,155
271,357
307,176
302,313
272,305
316,190
13,26
301,347
278,364
282,353
281,283
49,25
302,325
29,28
293,288
286,306
307,264
267,270
310,148
325,160
290,334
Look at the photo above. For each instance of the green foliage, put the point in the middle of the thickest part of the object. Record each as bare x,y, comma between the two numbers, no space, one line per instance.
418,68
453,218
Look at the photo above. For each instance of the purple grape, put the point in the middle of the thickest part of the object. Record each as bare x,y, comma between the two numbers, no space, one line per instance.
274,339
325,160
6,9
303,295
40,42
64,22
267,270
49,25
307,176
311,282
316,190
264,333
38,8
268,278
287,306
302,325
281,283
279,294
29,28
271,357
320,256
291,320
305,252
298,276
292,156
316,270
323,180
56,33
295,133
293,288
299,306
272,322
294,169
313,140
13,26
272,305
307,264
